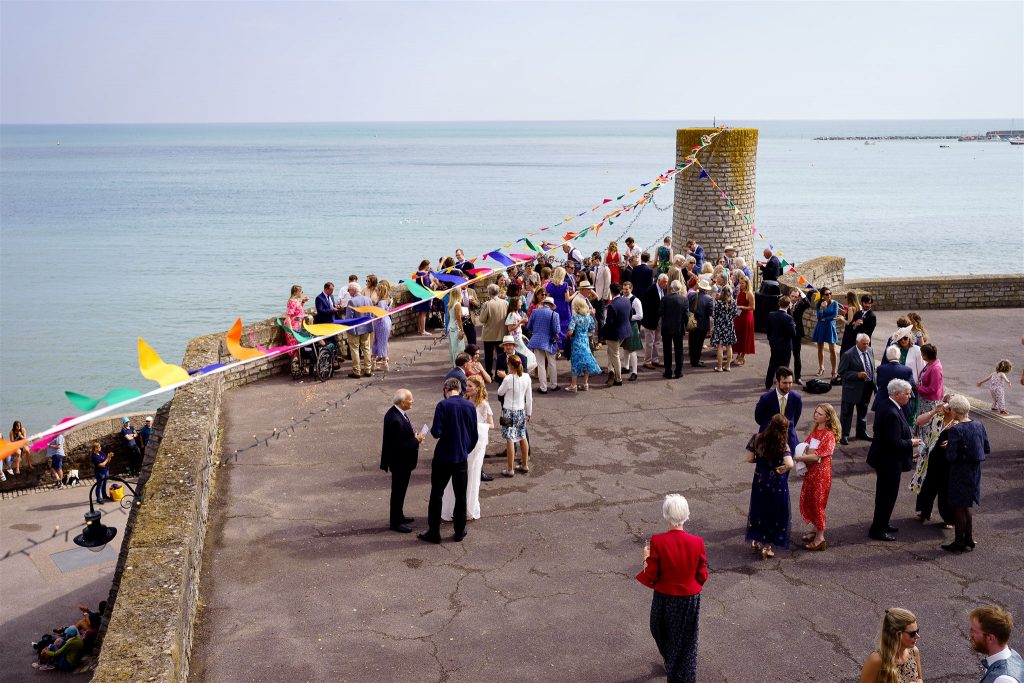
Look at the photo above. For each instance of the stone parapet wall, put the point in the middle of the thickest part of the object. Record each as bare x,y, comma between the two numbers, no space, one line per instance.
949,291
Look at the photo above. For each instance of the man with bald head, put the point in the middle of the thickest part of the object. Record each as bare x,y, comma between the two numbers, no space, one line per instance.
398,454
771,271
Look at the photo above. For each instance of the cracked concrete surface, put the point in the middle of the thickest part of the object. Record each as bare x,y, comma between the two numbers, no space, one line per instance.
303,581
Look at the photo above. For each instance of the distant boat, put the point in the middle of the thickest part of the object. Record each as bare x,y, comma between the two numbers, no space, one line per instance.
868,142
1016,141
944,146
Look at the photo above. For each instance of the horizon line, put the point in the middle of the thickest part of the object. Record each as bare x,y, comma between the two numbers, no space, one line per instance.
476,121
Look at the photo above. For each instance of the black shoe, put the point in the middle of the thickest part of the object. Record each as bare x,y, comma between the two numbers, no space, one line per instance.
667,375
679,376
402,529
881,537
555,389
797,382
844,441
892,529
425,536
616,384
632,377
408,520
486,477
864,437
954,547
698,364
542,391
459,537
101,501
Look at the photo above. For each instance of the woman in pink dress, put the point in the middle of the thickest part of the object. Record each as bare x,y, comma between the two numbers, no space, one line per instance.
293,315
818,480
744,322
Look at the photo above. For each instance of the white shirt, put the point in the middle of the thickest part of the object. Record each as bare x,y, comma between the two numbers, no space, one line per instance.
630,253
518,393
999,656
638,310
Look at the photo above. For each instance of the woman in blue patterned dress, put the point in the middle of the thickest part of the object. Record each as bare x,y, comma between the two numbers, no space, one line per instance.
583,364
768,522
723,335
825,329
381,326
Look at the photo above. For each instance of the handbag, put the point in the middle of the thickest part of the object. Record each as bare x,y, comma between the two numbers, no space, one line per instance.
691,320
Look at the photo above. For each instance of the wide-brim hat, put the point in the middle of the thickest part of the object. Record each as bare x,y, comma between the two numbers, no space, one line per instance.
584,284
729,248
549,301
901,333
508,339
704,284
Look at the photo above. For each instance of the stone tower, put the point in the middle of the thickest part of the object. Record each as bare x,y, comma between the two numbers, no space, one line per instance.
699,211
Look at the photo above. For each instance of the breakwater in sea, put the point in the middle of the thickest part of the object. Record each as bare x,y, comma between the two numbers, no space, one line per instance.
990,136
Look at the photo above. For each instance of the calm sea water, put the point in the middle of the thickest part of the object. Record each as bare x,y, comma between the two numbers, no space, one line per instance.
108,233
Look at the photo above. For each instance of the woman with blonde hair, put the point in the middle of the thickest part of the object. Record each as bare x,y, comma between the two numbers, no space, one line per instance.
559,290
821,442
582,361
744,321
476,391
370,289
827,311
897,659
293,316
453,323
723,334
381,326
614,261
917,328
852,314
516,411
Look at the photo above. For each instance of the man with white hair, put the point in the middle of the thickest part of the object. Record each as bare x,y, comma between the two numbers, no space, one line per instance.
650,326
857,368
359,336
677,271
399,452
891,454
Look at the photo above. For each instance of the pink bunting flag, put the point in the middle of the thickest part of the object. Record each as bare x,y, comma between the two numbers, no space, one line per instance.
44,442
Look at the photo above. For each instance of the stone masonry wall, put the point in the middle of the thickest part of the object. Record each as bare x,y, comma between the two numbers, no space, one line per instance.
699,211
927,293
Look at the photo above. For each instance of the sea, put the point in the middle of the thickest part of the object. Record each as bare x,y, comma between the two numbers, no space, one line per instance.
109,233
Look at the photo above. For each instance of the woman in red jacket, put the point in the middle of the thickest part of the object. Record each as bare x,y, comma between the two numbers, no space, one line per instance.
676,567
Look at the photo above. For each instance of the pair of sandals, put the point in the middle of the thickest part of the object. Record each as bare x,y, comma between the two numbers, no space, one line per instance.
766,550
578,387
725,369
512,472
808,537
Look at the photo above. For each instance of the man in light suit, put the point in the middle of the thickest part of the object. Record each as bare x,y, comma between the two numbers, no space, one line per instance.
455,429
780,399
398,454
891,453
492,320
857,368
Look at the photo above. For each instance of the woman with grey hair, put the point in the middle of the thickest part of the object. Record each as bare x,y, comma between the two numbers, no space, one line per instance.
676,567
966,446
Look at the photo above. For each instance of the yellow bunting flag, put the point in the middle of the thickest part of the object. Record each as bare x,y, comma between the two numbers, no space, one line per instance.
324,329
154,368
233,340
375,311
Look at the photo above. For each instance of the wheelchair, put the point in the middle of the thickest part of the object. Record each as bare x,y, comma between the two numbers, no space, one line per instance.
316,360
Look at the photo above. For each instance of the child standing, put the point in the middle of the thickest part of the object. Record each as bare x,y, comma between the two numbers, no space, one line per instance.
997,383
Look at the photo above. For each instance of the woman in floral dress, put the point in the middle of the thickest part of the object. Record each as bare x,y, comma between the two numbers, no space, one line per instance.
818,481
582,363
723,335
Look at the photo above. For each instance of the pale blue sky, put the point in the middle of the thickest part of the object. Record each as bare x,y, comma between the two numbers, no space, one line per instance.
94,62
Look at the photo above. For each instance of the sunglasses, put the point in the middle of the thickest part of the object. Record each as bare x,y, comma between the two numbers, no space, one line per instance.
913,634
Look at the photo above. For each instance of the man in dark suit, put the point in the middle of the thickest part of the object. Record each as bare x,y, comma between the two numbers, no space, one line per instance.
857,368
770,273
890,369
455,430
642,276
459,371
798,305
781,332
700,307
780,399
674,314
508,346
891,453
325,308
399,452
866,322
617,329
650,325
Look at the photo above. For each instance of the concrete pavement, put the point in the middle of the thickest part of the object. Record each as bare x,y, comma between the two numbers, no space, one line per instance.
303,581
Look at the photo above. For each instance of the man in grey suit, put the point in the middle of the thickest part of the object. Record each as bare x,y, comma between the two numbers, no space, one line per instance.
857,368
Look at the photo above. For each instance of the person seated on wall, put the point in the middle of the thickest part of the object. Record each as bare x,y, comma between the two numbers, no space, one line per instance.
771,271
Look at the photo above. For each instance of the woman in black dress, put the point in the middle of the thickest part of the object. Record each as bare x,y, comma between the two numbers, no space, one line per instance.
967,445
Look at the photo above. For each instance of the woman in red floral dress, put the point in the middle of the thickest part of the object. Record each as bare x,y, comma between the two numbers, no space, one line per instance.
818,480
744,322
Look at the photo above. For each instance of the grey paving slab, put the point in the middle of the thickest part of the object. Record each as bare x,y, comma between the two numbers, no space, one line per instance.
303,581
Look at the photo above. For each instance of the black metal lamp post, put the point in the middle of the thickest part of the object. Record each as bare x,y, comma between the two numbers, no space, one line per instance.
96,534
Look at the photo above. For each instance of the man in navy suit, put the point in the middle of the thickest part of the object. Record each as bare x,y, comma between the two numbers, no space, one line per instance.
399,452
857,368
891,454
890,369
780,399
781,333
455,430
325,307
642,276
617,329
